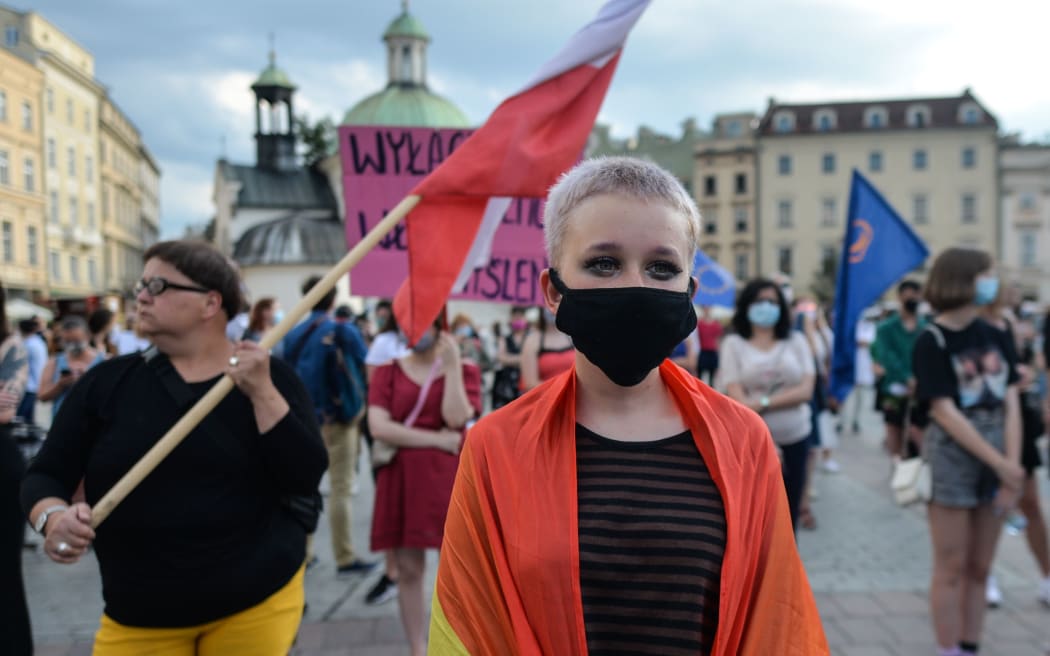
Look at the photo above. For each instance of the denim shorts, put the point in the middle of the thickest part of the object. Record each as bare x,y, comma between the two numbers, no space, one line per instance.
961,480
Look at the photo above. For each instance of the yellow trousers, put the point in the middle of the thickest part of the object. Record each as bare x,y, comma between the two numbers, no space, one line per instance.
267,629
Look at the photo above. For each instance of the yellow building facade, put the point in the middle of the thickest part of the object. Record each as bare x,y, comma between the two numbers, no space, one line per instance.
22,229
121,198
725,190
934,159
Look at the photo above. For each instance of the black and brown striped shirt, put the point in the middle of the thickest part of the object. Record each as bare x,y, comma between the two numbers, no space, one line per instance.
652,536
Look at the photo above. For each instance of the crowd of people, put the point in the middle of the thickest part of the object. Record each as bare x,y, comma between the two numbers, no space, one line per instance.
609,445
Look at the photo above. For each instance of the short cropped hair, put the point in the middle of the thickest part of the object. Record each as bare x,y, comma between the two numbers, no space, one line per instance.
327,301
953,278
908,285
203,264
626,176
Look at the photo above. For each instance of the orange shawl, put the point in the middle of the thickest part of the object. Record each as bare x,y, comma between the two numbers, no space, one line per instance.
509,577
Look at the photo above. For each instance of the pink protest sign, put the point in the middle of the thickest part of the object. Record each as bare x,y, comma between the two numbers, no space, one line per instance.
381,165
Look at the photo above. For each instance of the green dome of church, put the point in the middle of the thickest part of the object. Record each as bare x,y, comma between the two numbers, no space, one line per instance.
406,106
273,77
406,25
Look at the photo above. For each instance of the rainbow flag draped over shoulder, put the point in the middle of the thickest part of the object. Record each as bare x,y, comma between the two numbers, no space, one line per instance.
509,580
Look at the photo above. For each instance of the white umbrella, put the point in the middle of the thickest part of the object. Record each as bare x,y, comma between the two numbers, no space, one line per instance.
18,308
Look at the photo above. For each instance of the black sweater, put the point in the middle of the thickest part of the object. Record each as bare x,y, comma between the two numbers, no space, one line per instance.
204,535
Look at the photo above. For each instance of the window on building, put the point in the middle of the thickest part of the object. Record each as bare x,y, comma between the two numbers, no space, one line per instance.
785,260
875,118
741,183
73,207
11,36
87,120
970,114
969,157
91,215
742,266
9,241
56,265
71,160
406,63
740,219
74,268
93,273
52,209
784,122
5,176
102,151
918,159
784,219
3,105
1029,240
105,201
827,163
1027,202
734,129
710,221
969,208
875,161
31,245
27,116
920,209
918,116
828,257
828,212
89,169
69,111
49,100
710,185
784,165
52,157
30,174
825,123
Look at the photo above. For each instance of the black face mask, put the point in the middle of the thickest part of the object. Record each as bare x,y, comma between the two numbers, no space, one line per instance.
911,306
627,331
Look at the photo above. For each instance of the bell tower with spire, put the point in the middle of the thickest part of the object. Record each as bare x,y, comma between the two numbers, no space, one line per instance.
406,43
274,115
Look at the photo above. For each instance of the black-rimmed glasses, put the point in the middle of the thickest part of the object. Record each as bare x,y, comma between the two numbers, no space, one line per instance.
157,286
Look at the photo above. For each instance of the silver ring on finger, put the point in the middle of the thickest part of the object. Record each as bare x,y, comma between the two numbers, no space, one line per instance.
63,548
234,360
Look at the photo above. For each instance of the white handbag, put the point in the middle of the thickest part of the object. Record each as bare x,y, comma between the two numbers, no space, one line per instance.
911,481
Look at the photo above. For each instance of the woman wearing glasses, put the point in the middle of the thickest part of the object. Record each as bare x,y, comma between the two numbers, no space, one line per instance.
206,555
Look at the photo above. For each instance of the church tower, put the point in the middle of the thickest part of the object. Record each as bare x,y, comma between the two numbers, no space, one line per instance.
274,115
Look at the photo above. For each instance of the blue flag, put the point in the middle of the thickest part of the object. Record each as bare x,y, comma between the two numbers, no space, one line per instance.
879,249
717,286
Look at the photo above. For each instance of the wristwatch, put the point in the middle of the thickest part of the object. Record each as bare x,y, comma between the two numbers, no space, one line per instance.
764,403
41,519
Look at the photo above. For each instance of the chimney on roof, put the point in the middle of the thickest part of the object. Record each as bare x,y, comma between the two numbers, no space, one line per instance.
772,102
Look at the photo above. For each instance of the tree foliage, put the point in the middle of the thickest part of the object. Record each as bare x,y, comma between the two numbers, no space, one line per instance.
317,139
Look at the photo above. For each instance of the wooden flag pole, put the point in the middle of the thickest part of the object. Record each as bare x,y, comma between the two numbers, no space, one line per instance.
200,410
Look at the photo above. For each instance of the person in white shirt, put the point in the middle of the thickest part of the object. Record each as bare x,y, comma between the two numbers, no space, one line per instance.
128,340
36,350
863,368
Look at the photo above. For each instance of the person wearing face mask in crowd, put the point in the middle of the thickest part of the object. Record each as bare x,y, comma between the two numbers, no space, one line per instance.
769,368
421,405
622,506
507,385
1029,510
66,368
470,346
546,352
966,374
892,356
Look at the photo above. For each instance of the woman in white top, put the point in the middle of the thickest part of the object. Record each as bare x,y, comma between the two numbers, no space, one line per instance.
768,367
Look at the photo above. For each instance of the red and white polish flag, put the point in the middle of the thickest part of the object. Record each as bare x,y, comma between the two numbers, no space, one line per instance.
528,141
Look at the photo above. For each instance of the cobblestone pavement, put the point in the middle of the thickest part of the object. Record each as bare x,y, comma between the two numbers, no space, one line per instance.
868,563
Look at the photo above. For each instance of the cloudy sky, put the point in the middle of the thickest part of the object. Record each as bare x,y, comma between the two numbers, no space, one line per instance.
182,70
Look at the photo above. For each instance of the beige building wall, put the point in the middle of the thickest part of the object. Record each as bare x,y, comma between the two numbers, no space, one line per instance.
22,236
120,198
803,211
70,152
149,189
724,187
1025,206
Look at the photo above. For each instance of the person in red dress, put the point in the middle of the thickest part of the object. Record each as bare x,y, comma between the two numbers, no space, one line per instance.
420,404
710,330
